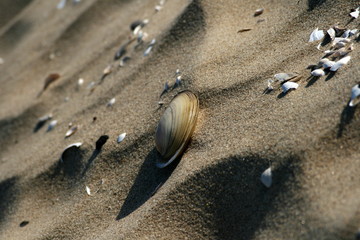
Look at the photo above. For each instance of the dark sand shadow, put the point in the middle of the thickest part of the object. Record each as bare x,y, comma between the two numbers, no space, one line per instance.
148,181
95,153
8,195
345,118
283,94
330,75
312,4
311,80
14,34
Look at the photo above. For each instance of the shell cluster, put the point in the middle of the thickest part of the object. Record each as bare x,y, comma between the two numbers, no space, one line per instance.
176,127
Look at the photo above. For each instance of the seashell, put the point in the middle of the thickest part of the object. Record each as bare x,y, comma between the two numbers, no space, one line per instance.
177,72
340,63
158,8
258,12
288,86
106,72
121,52
111,102
331,32
326,63
355,93
121,137
147,51
88,191
283,77
177,82
124,60
316,35
51,126
355,13
61,4
138,23
318,72
41,122
71,131
266,177
69,149
176,127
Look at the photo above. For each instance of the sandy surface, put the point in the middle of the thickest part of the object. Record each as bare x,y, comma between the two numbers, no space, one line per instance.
309,137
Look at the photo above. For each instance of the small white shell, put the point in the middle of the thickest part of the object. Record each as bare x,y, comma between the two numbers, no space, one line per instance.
258,12
111,102
326,63
355,14
331,32
340,63
288,86
121,137
80,82
51,125
147,51
355,93
316,35
71,131
266,177
88,191
318,73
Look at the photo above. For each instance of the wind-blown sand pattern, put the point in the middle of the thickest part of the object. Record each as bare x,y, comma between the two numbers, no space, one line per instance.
309,137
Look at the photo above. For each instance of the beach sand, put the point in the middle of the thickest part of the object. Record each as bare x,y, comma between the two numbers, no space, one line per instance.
309,137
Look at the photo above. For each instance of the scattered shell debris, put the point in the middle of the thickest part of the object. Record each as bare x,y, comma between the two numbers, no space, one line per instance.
71,131
258,12
176,127
289,86
150,47
106,72
69,149
111,102
355,95
51,125
340,63
266,177
121,137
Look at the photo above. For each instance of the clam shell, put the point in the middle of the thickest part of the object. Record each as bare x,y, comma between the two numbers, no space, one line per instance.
266,177
318,72
355,93
176,127
289,85
121,137
340,63
68,150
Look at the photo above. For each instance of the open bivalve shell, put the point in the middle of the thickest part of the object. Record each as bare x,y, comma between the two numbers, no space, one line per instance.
176,126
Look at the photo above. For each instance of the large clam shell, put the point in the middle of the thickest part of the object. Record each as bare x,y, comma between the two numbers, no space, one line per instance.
176,127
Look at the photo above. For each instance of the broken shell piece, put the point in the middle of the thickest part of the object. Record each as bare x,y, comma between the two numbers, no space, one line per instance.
121,137
177,82
283,77
288,86
158,8
318,73
340,63
176,127
111,102
88,190
147,51
177,72
51,126
69,149
106,72
41,122
61,4
266,177
71,131
121,52
355,13
124,60
80,82
355,95
258,12
138,23
331,32
316,35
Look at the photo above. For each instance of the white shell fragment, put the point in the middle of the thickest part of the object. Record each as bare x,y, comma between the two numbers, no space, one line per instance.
316,35
258,12
318,73
326,63
331,32
355,95
71,131
355,13
80,82
121,137
61,4
288,86
51,126
340,63
111,102
266,177
88,191
71,146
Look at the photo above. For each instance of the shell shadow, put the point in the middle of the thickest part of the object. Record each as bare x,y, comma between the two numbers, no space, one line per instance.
330,76
148,181
14,34
283,94
345,118
8,195
311,80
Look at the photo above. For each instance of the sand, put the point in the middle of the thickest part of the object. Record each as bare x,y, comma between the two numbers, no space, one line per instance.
309,136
